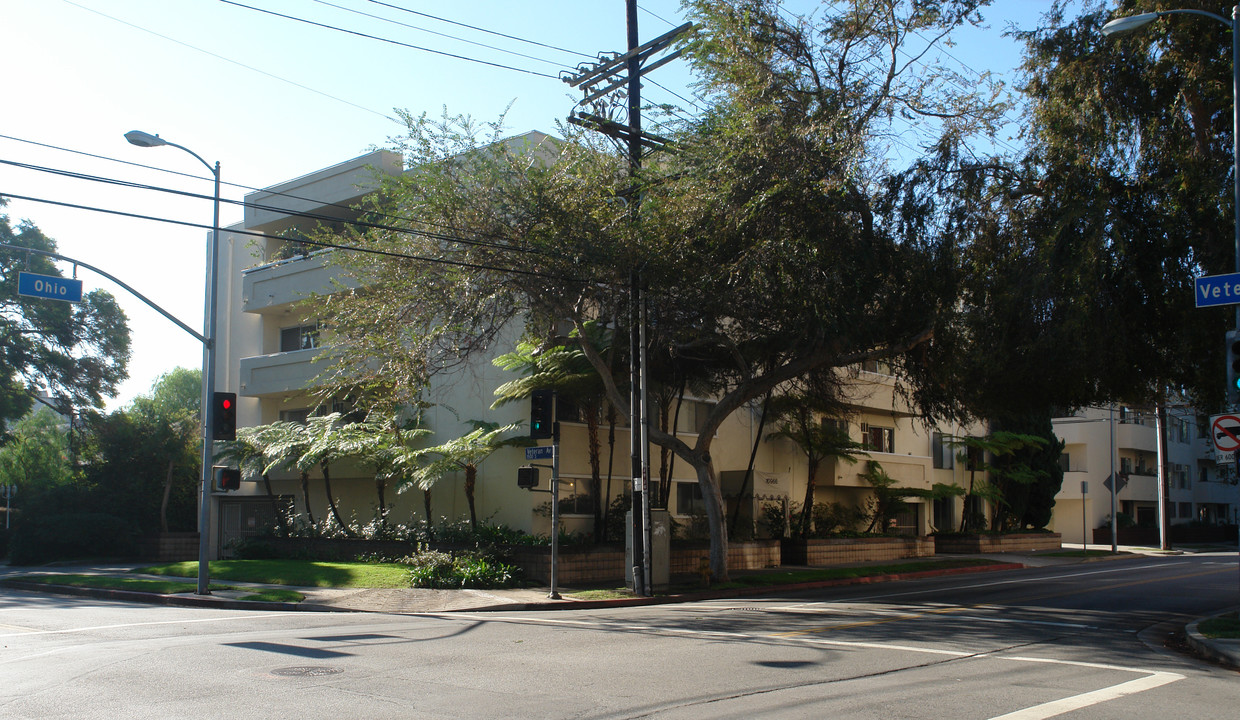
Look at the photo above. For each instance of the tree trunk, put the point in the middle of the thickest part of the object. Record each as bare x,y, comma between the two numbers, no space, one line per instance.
305,496
163,506
471,479
331,503
426,503
596,479
611,462
712,498
807,508
275,505
379,488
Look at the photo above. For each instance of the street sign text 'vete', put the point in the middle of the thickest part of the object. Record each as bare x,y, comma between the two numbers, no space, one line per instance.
49,287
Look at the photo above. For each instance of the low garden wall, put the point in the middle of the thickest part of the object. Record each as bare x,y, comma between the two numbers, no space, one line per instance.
1148,536
169,547
603,564
986,543
843,551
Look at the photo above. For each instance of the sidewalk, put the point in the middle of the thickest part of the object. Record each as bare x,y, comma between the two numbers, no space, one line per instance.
418,600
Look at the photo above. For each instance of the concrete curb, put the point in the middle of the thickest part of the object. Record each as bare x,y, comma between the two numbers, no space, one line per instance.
212,601
180,600
1226,652
729,593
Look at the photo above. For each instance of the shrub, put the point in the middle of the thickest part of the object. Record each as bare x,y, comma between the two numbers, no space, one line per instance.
74,535
435,569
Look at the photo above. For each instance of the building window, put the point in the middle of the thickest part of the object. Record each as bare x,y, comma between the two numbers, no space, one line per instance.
878,439
693,416
575,496
689,499
301,337
299,416
943,516
941,451
1065,463
1186,510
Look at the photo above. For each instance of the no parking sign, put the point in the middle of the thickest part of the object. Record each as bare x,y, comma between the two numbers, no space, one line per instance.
1225,435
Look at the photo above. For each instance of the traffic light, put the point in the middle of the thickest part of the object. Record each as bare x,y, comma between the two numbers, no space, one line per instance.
542,413
224,416
527,477
1233,369
227,478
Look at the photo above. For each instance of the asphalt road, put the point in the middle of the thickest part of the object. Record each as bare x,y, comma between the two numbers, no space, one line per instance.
1085,640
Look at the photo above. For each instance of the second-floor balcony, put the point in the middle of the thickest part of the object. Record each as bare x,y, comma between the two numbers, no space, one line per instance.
273,287
280,373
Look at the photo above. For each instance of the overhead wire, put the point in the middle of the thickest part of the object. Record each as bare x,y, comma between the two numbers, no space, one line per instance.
273,208
481,29
316,243
237,63
387,40
277,193
434,32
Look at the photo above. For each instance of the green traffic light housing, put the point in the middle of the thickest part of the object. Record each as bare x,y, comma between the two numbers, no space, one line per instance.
1233,369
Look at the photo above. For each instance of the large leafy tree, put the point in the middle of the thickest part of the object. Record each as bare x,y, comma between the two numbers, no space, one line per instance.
75,353
763,244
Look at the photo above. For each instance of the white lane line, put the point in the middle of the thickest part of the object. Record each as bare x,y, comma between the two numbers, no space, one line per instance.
187,621
1095,697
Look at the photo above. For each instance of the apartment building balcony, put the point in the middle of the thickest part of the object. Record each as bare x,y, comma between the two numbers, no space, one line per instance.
273,287
279,374
909,471
1136,436
328,192
1140,488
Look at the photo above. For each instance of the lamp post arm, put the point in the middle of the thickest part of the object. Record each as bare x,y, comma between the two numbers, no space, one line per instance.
215,170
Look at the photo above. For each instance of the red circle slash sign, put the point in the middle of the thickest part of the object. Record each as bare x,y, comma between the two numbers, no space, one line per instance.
1227,433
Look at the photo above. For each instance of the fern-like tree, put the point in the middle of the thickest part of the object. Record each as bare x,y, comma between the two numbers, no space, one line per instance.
464,454
565,369
819,438
985,455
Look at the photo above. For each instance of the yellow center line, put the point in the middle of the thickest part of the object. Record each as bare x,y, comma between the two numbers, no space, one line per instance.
961,608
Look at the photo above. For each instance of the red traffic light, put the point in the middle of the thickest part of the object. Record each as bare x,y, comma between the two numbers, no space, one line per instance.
224,416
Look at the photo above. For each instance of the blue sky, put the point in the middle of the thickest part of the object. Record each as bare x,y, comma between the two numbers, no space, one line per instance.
272,99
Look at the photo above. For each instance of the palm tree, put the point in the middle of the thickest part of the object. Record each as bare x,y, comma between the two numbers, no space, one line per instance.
284,444
565,369
819,439
464,454
250,453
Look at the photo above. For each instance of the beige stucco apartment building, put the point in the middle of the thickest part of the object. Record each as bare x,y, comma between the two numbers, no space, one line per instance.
267,354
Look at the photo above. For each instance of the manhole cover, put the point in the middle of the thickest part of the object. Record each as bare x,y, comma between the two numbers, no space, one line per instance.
306,671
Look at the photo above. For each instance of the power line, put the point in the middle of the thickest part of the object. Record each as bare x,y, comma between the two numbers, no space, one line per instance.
237,63
434,32
291,196
481,29
272,208
316,243
387,40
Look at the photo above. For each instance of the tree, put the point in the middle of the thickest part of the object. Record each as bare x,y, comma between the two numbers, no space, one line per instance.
773,206
35,458
463,454
994,454
75,353
819,438
565,369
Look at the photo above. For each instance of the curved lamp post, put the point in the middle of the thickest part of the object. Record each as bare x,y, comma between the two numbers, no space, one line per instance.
1132,22
146,140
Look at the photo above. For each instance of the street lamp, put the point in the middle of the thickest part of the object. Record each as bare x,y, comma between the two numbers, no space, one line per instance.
1133,22
146,140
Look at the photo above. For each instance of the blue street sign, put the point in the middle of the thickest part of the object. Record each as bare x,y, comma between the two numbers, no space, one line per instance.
544,452
51,287
1218,290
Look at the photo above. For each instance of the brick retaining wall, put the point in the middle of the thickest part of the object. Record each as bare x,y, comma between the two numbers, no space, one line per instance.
1015,542
844,551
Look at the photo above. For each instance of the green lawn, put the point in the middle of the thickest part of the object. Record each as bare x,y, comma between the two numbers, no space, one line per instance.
163,587
1221,627
793,577
301,573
